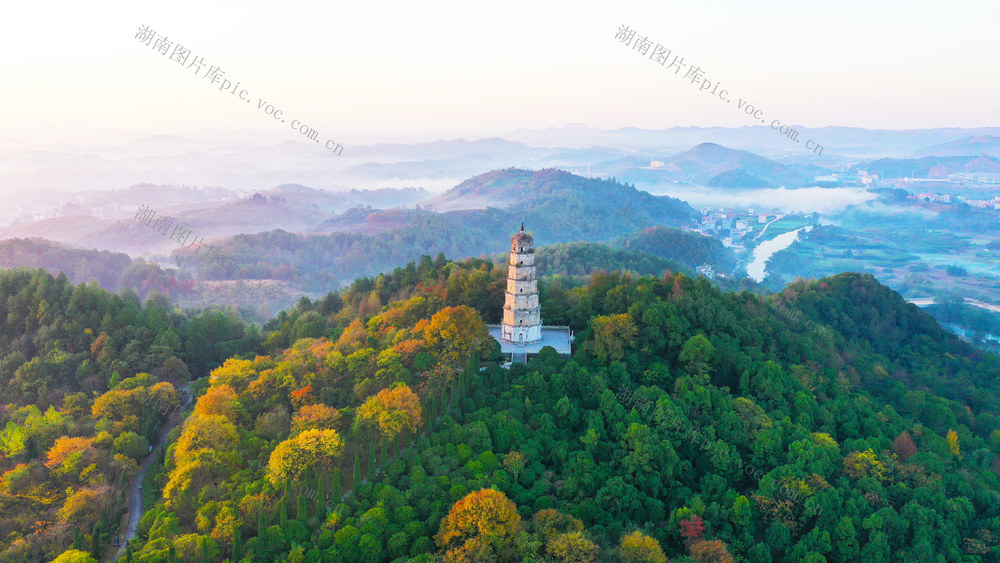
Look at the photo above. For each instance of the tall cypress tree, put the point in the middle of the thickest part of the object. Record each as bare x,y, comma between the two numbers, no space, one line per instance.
356,482
237,544
301,508
284,517
336,496
384,458
372,473
95,541
288,499
319,512
310,474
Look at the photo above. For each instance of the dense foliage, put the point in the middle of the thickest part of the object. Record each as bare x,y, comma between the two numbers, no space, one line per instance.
832,421
87,379
112,270
691,249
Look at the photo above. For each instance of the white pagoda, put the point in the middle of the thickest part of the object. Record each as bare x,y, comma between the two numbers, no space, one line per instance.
522,316
521,332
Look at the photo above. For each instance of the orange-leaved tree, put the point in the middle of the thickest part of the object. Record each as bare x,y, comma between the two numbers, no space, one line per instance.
313,416
710,551
217,400
483,525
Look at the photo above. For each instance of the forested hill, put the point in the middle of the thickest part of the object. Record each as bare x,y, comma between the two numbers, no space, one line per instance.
539,195
557,207
689,248
375,425
86,379
112,270
924,355
689,422
472,219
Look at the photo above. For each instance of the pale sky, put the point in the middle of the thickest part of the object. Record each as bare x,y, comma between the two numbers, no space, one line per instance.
394,70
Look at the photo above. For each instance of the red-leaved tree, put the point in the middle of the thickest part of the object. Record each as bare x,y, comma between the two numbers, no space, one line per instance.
693,528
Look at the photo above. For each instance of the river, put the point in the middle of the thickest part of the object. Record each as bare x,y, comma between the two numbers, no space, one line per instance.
763,252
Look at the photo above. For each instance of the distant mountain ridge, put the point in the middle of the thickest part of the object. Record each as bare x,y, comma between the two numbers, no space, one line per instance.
518,188
474,218
980,145
931,166
712,165
854,141
208,214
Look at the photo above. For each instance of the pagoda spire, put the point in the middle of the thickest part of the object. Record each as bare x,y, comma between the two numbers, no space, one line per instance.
522,226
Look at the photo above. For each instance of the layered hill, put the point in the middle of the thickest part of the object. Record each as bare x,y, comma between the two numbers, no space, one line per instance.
205,214
548,190
979,145
931,166
714,165
474,218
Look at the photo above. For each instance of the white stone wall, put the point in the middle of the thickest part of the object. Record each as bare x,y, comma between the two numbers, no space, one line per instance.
519,335
521,287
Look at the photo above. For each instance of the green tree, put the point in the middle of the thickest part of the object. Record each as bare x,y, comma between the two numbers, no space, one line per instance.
697,355
845,540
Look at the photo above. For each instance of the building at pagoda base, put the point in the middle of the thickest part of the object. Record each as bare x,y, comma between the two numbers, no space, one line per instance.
521,333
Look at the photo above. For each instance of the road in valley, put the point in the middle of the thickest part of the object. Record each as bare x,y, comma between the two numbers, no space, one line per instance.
135,492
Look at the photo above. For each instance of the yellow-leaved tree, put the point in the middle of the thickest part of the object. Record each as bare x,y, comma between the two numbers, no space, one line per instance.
206,432
311,448
390,411
637,547
455,332
953,443
572,547
482,526
864,464
74,556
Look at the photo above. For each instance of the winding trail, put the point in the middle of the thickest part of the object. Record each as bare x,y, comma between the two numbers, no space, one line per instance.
135,491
